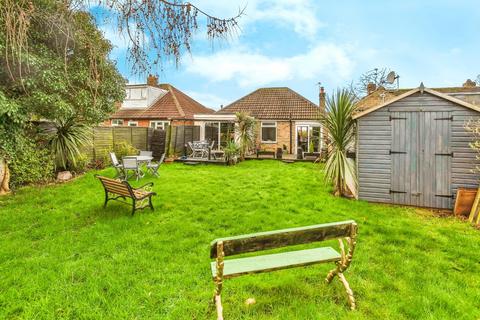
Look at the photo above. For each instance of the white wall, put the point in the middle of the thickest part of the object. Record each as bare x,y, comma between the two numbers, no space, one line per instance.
141,97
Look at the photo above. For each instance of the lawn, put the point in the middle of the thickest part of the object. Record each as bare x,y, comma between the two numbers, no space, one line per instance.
63,256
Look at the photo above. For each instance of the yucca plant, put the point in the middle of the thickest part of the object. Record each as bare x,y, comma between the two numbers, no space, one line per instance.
245,132
231,151
66,141
338,122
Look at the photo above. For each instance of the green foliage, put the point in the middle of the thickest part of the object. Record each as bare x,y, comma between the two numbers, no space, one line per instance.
245,130
31,164
340,126
123,149
66,142
82,163
65,75
231,151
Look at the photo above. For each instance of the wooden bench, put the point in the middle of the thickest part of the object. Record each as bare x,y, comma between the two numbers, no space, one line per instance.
116,190
263,154
345,231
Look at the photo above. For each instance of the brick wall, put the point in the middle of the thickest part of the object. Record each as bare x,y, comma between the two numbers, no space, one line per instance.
283,137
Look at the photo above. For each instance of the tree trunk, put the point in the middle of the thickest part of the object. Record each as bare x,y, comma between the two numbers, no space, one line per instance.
4,177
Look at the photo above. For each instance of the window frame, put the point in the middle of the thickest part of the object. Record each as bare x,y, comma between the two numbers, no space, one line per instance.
115,124
156,122
268,124
132,122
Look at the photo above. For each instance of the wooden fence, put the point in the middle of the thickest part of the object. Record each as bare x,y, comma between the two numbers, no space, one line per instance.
172,141
105,138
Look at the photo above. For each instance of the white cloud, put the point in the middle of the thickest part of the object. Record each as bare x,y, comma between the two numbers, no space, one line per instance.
301,15
255,69
207,99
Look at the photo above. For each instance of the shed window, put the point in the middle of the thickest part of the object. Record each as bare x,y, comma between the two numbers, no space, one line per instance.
133,123
269,132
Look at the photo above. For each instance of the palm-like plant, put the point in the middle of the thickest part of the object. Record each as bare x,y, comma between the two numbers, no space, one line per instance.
66,141
245,131
339,124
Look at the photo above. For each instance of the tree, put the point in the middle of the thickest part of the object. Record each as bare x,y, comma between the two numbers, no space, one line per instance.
376,76
245,131
340,126
156,30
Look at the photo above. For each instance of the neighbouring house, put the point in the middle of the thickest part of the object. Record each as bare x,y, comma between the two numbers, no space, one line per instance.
412,145
157,106
286,120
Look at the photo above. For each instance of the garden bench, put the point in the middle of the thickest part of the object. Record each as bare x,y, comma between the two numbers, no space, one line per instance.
261,154
345,231
116,189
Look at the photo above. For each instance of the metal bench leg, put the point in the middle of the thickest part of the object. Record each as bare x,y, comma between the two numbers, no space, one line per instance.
150,203
134,206
351,298
219,281
106,199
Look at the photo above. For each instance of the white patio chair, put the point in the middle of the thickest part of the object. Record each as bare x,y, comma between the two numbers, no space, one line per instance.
154,166
116,164
131,164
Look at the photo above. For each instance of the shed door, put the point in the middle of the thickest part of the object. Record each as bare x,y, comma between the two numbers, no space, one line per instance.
421,159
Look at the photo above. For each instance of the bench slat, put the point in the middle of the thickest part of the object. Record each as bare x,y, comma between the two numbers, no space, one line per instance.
282,238
277,261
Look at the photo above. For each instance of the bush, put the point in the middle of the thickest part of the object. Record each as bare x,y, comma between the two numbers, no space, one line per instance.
123,148
31,164
81,164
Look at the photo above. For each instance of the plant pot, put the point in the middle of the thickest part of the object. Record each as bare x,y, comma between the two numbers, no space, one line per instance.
464,201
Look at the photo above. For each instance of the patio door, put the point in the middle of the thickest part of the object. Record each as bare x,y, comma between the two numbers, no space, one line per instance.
308,138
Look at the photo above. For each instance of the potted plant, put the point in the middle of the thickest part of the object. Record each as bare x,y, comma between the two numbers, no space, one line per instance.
231,151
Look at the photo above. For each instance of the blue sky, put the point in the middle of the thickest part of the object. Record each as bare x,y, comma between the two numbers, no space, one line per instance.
298,43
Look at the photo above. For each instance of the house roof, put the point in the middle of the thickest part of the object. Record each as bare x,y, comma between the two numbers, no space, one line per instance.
274,103
173,105
382,95
405,94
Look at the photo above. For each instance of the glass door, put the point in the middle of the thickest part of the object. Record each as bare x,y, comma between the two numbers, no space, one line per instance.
302,138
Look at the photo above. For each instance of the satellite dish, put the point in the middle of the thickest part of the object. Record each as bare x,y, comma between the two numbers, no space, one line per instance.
391,77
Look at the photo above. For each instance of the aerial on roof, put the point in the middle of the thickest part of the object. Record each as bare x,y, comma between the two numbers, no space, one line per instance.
274,103
174,104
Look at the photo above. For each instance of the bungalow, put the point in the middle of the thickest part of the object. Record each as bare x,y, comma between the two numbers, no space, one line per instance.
286,120
157,106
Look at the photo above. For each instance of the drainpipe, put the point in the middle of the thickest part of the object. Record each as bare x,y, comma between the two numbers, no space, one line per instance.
290,118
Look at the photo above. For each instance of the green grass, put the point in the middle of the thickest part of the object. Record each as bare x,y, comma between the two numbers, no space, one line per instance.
63,256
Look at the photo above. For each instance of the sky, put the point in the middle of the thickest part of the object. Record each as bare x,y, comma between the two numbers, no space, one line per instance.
299,43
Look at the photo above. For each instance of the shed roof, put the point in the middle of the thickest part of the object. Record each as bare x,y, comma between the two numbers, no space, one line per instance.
401,94
274,103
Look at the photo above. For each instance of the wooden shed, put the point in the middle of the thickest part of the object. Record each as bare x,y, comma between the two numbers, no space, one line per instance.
414,149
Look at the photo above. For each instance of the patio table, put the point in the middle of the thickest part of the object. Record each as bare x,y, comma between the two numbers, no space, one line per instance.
143,160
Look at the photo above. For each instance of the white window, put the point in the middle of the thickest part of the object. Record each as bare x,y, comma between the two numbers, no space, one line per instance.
117,122
133,123
159,124
269,132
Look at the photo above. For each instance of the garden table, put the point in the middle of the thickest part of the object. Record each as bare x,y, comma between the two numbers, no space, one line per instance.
143,160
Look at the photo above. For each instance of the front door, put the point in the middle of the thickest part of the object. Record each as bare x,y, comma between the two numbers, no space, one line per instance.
421,159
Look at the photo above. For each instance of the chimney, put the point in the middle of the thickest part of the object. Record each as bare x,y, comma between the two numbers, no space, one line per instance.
371,87
469,84
321,99
152,80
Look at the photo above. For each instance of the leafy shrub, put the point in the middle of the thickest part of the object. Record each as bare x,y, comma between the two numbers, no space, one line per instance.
31,164
231,150
122,149
81,164
66,141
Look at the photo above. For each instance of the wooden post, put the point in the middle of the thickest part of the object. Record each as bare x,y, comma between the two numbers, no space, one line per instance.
219,280
4,177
